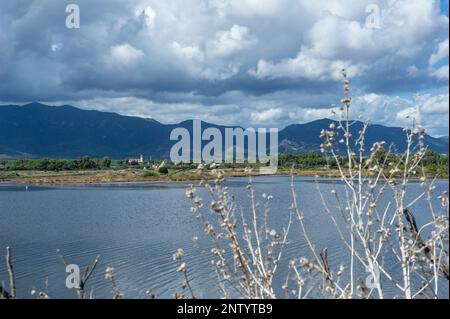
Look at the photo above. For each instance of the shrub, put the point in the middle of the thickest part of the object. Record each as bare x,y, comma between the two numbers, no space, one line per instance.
149,174
163,170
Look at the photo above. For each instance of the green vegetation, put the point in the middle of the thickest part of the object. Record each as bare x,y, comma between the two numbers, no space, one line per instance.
149,174
310,160
435,164
49,164
163,170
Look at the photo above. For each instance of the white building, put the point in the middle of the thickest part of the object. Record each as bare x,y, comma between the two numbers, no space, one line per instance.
139,160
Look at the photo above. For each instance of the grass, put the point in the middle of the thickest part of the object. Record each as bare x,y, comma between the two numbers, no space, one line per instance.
134,175
139,175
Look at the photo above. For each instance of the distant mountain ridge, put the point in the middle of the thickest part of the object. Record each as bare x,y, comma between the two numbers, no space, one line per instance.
37,130
301,138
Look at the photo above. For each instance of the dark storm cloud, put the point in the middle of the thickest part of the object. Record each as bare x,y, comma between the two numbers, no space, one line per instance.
267,55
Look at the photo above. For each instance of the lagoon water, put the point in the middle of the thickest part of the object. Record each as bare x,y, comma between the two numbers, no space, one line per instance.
137,227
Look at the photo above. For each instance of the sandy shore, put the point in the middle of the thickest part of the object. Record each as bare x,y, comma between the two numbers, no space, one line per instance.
129,175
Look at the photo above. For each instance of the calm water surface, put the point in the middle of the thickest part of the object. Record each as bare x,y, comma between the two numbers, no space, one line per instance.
137,227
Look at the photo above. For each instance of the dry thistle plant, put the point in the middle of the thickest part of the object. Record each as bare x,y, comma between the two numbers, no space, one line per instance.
178,257
84,278
372,231
246,253
110,275
4,294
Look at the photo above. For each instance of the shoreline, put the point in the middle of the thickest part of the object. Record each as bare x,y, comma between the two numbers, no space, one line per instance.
80,178
135,176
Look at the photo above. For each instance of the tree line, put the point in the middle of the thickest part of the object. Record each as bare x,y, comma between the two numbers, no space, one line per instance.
51,164
434,163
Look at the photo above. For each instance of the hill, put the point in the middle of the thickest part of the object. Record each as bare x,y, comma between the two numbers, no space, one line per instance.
36,130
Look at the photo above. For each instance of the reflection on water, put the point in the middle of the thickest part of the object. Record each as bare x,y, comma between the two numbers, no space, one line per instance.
137,227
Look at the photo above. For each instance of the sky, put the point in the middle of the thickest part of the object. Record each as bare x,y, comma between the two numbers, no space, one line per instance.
259,63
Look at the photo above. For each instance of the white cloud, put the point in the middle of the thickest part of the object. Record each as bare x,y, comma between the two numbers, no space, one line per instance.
236,39
255,7
434,113
210,60
125,54
147,14
441,52
305,66
272,114
435,105
194,58
339,38
191,53
333,37
224,60
430,110
441,73
335,7
306,114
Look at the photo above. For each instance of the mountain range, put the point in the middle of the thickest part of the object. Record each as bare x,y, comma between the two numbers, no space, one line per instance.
36,130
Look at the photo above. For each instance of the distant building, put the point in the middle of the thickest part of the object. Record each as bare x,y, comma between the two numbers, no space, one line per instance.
139,160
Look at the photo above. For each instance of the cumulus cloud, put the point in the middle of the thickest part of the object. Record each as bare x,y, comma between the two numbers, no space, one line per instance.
431,111
305,66
255,7
441,73
434,112
441,52
271,114
339,39
147,15
125,54
236,39
190,53
234,61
